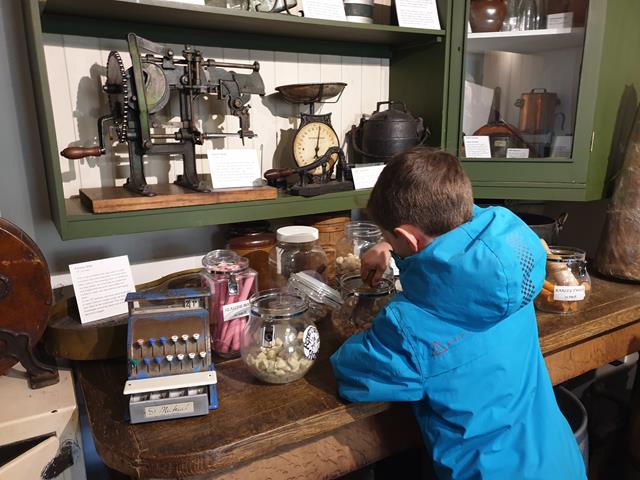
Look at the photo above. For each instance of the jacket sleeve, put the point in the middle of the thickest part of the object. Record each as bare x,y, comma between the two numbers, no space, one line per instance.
379,364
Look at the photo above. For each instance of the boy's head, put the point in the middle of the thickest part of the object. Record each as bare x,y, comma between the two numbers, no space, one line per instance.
421,194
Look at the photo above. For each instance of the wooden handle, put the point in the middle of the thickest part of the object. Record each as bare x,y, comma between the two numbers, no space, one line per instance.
276,173
73,153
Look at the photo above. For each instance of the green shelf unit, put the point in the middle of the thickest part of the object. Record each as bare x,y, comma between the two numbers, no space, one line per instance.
82,224
607,76
170,22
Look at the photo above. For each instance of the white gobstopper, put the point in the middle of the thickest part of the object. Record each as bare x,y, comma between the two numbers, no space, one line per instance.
196,336
169,358
203,354
192,355
181,356
174,338
185,337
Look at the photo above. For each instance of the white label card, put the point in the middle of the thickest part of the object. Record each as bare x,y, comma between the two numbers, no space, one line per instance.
477,146
233,168
101,287
418,14
324,9
568,293
517,153
236,310
366,177
171,409
561,146
311,342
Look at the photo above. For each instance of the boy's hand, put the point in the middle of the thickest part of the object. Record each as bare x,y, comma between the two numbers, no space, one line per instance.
377,258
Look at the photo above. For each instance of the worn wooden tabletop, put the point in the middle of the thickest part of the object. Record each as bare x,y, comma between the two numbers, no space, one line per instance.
256,421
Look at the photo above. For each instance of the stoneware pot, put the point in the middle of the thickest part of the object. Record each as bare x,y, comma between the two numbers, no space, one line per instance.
487,15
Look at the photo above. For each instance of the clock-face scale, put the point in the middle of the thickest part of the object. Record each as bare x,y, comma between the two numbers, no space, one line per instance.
311,142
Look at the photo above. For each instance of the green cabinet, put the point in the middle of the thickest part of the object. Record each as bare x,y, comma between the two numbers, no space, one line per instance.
417,73
426,69
606,77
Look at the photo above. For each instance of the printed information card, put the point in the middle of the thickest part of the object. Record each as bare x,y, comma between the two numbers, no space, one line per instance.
477,146
366,177
101,287
233,168
324,9
418,14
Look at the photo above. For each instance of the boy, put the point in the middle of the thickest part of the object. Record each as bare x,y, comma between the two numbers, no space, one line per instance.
461,341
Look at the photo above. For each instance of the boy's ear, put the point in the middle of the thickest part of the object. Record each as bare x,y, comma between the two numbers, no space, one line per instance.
413,236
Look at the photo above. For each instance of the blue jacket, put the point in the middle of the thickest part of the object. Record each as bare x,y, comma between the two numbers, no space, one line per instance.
461,344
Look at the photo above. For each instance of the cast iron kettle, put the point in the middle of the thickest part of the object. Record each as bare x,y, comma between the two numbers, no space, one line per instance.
386,133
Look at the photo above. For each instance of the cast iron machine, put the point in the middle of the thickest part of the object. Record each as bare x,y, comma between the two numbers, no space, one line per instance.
137,93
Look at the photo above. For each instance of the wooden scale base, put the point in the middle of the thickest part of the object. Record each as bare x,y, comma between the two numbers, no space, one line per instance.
118,199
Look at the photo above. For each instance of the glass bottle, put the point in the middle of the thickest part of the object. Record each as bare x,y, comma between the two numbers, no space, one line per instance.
567,284
511,21
280,342
528,15
231,283
297,250
361,303
358,237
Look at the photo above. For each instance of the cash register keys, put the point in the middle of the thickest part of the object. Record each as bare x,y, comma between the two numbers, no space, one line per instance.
171,373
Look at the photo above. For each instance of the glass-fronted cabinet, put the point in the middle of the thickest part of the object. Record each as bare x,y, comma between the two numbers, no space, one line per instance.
522,73
530,110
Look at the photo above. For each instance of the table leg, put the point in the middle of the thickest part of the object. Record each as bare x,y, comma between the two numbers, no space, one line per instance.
634,434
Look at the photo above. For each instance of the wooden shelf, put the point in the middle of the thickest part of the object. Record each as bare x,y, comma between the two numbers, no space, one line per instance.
529,41
80,223
60,15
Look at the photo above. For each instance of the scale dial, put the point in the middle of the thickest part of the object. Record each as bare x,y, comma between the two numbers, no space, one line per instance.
311,142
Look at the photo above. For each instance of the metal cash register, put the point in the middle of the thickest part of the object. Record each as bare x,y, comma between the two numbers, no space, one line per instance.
171,373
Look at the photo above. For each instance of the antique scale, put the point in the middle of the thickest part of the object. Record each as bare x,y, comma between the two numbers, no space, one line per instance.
316,146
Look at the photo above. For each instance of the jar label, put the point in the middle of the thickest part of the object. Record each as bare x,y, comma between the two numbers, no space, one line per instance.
236,310
311,342
568,293
279,260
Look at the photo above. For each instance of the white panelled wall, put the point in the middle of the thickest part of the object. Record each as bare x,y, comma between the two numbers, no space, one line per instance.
76,67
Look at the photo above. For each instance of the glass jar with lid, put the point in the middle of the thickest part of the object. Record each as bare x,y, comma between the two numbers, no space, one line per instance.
323,300
567,284
297,250
280,341
358,238
361,303
232,283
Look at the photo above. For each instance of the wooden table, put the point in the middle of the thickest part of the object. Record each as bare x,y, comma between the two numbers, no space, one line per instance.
303,430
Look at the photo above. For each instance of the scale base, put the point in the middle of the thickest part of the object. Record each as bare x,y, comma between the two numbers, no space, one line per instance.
313,189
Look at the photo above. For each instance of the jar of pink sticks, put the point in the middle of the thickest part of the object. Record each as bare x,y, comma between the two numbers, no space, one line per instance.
232,283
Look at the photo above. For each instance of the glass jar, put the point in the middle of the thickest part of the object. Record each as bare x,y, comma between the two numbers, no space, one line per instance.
567,285
280,341
232,283
256,247
358,238
297,250
361,303
323,299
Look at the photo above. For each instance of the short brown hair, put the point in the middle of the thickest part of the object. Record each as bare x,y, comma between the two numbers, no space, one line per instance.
424,187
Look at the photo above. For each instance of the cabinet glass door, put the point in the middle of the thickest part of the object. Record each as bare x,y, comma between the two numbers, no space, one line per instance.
523,60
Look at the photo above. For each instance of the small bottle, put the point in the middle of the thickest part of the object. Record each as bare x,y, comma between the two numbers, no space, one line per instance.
511,21
297,250
528,15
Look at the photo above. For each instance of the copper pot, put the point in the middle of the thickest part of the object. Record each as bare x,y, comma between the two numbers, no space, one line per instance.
487,15
537,111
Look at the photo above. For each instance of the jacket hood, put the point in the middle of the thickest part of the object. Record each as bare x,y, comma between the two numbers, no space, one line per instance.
493,266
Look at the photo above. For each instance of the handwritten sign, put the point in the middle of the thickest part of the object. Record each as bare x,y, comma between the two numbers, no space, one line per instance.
101,287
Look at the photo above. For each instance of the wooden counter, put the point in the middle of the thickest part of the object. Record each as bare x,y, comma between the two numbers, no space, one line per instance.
303,430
